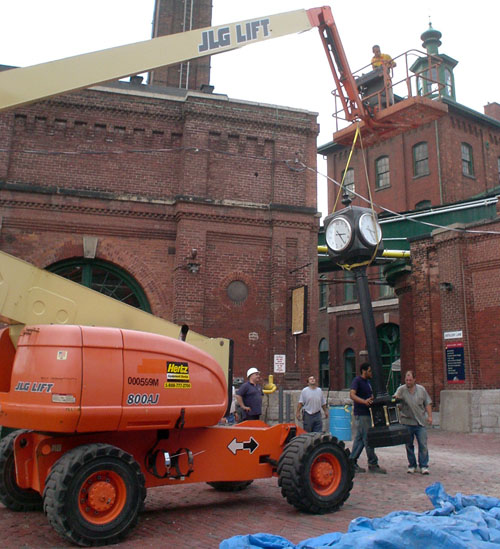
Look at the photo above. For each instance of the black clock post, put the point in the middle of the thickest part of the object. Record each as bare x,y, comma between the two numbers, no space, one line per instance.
352,237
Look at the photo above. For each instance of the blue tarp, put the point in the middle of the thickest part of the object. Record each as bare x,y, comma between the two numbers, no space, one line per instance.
459,522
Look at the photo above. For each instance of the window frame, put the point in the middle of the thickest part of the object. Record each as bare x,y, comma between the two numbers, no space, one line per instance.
349,182
324,363
386,291
418,162
350,288
323,292
469,162
382,175
349,361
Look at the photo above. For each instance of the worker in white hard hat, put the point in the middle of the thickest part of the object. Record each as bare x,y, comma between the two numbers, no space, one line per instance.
249,395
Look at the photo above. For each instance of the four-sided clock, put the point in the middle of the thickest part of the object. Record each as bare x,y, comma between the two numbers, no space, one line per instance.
353,234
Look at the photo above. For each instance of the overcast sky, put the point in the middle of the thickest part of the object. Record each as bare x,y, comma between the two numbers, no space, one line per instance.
290,71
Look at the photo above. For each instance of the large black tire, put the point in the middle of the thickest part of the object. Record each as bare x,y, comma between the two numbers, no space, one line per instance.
94,494
230,486
11,495
315,473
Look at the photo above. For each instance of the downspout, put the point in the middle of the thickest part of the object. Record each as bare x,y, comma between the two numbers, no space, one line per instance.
438,154
484,145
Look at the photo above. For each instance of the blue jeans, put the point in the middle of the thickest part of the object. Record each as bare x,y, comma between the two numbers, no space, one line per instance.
363,423
312,422
420,433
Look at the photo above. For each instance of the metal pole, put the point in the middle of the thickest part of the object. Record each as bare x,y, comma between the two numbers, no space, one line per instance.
288,401
365,304
280,405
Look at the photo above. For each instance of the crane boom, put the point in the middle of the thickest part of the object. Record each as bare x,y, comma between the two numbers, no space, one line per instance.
25,85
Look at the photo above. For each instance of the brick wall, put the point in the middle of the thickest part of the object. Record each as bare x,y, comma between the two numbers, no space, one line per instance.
445,182
471,264
155,177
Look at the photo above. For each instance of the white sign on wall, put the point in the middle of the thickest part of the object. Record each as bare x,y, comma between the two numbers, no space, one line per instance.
279,364
453,335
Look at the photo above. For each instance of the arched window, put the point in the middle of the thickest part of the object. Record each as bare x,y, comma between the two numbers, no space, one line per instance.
382,176
420,159
467,160
103,277
324,364
349,367
423,205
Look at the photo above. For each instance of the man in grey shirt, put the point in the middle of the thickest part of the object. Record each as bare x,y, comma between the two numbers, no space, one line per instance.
415,412
310,403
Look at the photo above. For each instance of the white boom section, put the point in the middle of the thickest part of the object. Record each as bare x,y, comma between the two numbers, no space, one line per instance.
26,85
29,295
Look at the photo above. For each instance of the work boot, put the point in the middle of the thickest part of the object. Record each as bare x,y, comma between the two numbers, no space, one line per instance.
376,469
358,469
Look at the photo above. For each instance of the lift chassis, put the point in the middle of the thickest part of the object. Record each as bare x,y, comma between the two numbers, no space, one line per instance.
113,412
92,487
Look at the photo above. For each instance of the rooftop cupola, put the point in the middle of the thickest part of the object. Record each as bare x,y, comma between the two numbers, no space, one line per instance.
435,76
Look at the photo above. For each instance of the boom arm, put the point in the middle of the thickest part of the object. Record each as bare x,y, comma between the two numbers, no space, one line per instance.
26,85
344,79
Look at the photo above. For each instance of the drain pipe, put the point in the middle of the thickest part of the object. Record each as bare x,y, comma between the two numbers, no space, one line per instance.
438,154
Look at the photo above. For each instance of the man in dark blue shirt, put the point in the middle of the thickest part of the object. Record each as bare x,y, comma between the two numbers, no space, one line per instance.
362,396
249,395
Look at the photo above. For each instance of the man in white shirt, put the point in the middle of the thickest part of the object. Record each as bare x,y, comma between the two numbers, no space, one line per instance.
310,403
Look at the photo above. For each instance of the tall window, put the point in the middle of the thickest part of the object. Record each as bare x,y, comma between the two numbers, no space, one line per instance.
420,159
103,277
467,160
324,364
498,169
382,178
448,83
388,340
385,289
349,367
350,289
349,182
323,292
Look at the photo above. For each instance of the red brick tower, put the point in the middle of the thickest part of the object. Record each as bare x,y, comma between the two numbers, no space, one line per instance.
171,17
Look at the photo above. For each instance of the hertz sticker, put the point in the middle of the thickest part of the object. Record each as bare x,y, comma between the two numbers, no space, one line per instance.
177,376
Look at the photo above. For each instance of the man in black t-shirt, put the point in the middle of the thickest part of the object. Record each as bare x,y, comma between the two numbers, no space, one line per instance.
249,395
362,396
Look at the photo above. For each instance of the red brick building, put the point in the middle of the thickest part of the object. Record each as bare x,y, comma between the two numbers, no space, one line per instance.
453,159
172,198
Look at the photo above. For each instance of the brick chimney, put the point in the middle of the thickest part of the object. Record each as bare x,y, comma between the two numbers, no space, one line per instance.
492,110
171,17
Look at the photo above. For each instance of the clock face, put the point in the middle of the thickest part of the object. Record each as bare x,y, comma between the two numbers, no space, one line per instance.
369,229
339,234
